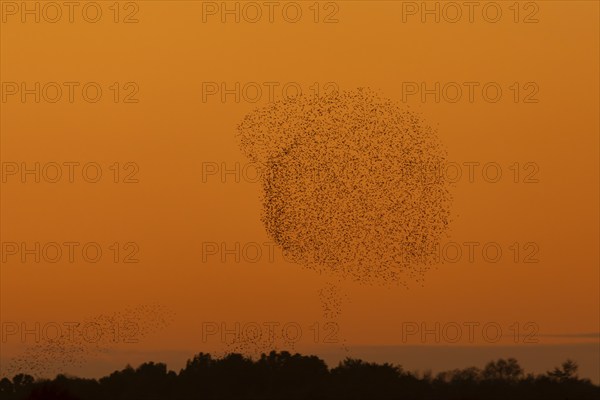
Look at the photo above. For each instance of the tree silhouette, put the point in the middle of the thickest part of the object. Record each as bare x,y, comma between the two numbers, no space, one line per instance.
6,386
51,391
503,370
282,375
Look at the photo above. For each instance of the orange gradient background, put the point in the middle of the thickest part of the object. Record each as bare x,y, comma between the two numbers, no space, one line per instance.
171,212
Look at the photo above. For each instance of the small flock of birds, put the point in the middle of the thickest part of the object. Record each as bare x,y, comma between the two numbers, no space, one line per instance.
77,343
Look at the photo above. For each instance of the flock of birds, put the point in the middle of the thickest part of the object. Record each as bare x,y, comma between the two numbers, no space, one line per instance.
345,184
351,187
78,342
345,192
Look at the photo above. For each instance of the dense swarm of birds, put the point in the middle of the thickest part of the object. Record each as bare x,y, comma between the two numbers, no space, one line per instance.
350,184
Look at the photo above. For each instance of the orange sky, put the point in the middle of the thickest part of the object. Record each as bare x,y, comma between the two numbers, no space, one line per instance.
170,214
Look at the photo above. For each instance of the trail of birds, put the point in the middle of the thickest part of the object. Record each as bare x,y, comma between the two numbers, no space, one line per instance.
331,297
350,184
77,342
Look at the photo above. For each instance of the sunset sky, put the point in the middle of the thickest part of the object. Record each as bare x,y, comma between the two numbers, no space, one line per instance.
160,130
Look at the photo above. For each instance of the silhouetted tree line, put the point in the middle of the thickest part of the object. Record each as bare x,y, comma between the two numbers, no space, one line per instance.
286,376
